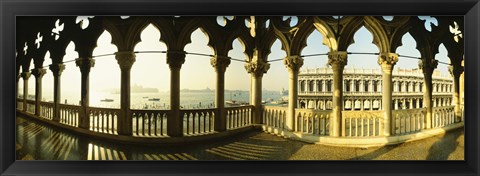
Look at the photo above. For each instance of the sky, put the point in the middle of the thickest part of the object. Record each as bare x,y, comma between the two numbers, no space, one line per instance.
151,70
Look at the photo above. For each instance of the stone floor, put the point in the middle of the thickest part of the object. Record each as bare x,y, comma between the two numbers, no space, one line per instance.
39,142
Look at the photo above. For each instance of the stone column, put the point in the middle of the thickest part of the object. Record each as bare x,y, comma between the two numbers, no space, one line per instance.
456,71
257,68
428,68
337,60
175,60
25,76
293,64
125,60
57,70
220,65
85,64
38,73
387,62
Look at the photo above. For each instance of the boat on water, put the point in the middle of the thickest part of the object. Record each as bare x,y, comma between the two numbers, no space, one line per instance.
106,100
235,103
154,99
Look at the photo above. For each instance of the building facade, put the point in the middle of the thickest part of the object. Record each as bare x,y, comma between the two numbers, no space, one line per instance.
362,89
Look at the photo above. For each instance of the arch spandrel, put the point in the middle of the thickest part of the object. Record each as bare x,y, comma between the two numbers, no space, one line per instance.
85,45
221,38
125,32
387,35
176,32
328,32
347,27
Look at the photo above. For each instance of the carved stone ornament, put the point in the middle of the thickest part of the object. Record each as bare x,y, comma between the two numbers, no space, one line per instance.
455,71
220,62
125,59
293,62
387,58
85,64
427,66
39,72
175,59
25,75
338,58
257,67
57,69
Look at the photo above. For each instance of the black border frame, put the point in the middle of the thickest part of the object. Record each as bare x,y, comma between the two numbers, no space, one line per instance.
10,8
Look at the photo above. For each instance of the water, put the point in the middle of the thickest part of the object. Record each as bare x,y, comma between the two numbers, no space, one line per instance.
188,99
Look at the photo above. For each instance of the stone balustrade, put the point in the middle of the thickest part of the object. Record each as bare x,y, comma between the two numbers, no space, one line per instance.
31,106
103,120
46,110
239,116
69,114
362,123
198,121
313,121
408,121
443,116
274,116
149,123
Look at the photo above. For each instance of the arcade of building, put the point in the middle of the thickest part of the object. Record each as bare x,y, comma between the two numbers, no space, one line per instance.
334,107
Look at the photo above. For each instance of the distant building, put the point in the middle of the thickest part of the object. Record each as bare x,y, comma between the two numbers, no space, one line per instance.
362,89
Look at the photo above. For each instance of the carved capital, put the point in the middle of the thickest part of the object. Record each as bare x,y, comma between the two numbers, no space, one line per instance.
258,68
57,69
387,59
85,64
293,63
426,66
175,59
220,63
455,71
125,60
336,59
39,72
25,75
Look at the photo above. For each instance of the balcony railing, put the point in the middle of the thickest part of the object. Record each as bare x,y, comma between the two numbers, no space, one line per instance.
20,104
103,120
312,121
198,121
443,116
408,121
361,123
69,114
153,123
46,110
31,106
240,116
275,116
149,123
